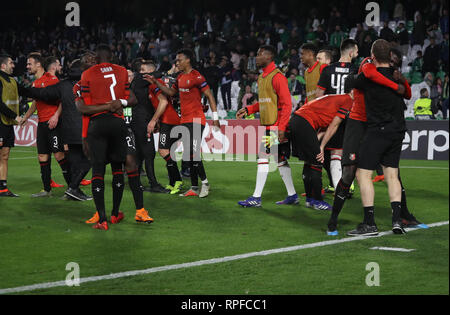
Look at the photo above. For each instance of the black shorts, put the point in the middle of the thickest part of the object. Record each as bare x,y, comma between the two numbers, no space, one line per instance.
354,133
282,150
7,136
192,141
145,146
381,146
337,141
107,139
165,141
49,140
304,140
131,142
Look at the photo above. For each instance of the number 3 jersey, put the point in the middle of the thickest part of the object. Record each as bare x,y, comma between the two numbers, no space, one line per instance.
333,77
103,83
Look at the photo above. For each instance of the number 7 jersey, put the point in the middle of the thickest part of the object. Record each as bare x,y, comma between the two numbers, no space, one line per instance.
103,83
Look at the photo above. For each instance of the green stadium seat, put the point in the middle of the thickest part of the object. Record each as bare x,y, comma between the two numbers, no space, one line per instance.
440,74
407,76
416,77
410,26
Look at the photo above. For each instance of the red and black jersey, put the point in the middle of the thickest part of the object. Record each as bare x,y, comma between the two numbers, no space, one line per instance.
321,111
383,105
169,116
103,83
332,79
190,87
85,118
45,110
77,90
358,111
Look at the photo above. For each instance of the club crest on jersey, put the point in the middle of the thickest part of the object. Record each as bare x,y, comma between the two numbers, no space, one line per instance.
187,81
352,156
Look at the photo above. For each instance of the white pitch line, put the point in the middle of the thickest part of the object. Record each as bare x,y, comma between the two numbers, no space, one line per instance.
426,167
48,285
393,249
23,158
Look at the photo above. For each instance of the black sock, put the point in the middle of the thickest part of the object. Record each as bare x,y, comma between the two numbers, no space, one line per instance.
3,185
135,185
175,171
380,170
141,167
326,165
78,176
150,171
201,171
194,174
46,174
172,170
79,165
118,184
396,211
316,182
185,165
404,209
98,193
341,193
65,167
369,217
307,180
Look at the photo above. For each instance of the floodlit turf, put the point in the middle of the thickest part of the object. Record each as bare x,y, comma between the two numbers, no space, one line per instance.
40,236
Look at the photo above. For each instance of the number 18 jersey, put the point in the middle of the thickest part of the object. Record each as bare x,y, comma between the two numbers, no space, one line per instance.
103,83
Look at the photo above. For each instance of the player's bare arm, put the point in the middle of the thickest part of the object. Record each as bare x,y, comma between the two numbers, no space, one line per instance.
320,92
161,109
329,133
29,112
212,103
53,121
320,135
116,106
172,70
166,90
92,109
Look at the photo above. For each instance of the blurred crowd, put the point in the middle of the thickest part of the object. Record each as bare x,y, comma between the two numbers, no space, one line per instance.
225,45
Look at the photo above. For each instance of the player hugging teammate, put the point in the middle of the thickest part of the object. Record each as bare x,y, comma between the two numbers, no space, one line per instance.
190,85
372,105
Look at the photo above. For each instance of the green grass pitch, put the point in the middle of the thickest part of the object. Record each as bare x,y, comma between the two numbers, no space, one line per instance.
40,236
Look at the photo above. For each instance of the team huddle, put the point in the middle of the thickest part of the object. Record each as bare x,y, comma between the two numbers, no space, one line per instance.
86,117
357,115
352,122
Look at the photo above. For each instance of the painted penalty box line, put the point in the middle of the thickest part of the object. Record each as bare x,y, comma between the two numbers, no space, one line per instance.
48,285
